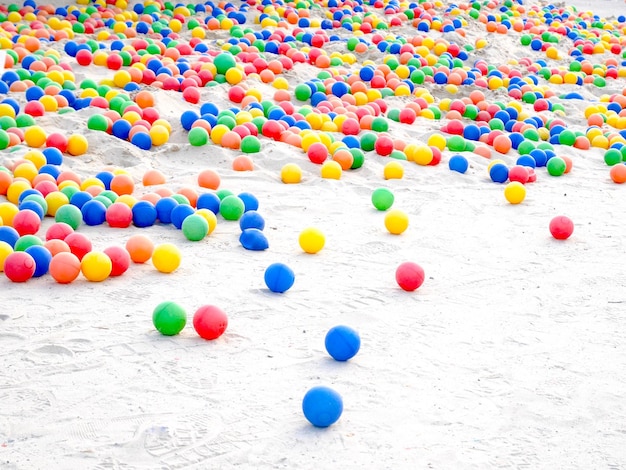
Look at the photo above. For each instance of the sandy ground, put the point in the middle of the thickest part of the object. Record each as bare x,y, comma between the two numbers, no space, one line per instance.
511,355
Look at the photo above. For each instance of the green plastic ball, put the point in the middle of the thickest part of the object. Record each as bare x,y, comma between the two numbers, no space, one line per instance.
556,166
169,318
232,207
195,227
69,214
382,199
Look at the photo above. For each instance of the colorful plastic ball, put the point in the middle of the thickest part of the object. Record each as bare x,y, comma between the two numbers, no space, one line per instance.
5,250
198,136
96,266
19,266
224,62
70,215
9,235
144,214
331,170
210,322
322,406
561,227
166,257
180,213
195,227
140,248
393,170
35,137
279,277
311,240
556,166
458,163
499,173
94,212
396,221
141,140
79,244
169,318
409,276
97,122
515,192
42,257
164,207
253,239
250,144
342,342
232,207
64,267
251,219
26,222
77,144
119,215
519,173
291,174
26,241
120,260
250,202
382,199
317,153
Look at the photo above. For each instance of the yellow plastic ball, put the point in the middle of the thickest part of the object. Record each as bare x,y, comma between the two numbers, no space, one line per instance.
127,199
5,251
423,155
15,189
26,170
77,144
166,257
311,240
331,170
291,174
396,221
35,136
159,135
210,217
394,170
36,157
515,192
49,103
96,266
91,181
8,210
437,140
55,200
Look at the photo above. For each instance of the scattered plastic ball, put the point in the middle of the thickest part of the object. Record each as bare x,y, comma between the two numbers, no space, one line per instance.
393,170
311,240
291,174
166,257
42,257
279,277
458,163
96,266
78,243
382,199
19,266
64,267
195,227
396,221
232,207
169,318
69,214
322,406
140,248
342,342
210,322
26,222
120,260
561,227
515,192
253,239
409,276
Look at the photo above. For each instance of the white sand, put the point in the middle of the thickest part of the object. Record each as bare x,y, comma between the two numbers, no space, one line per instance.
511,355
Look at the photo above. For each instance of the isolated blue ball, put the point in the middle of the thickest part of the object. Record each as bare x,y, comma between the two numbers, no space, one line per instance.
322,406
251,219
144,214
458,163
42,257
279,277
164,208
94,212
250,202
180,213
253,239
342,342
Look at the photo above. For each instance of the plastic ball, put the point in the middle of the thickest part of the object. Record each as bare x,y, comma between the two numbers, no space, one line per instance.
25,241
253,239
342,342
232,207
94,212
311,240
140,248
169,318
515,192
70,215
331,170
499,173
291,173
396,221
393,170
5,251
409,276
251,219
322,406
59,231
42,257
180,213
119,215
382,199
96,266
279,277
561,227
120,260
195,227
166,257
144,214
556,166
64,267
19,266
26,222
458,163
77,144
210,322
79,244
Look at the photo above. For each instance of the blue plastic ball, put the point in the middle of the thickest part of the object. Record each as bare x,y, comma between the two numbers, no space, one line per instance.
253,239
209,201
342,342
164,208
9,235
251,219
94,212
499,173
458,163
142,140
144,214
180,213
322,406
279,277
250,202
42,257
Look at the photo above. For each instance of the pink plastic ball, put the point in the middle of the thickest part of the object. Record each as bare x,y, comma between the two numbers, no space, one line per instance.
19,266
79,244
120,259
58,231
119,215
26,222
409,276
561,227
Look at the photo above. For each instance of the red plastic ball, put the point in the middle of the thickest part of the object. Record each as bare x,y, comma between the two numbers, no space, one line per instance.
409,276
84,57
519,173
26,222
119,215
58,231
317,153
383,146
19,266
561,227
79,244
120,259
114,62
210,322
